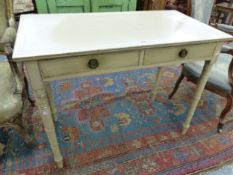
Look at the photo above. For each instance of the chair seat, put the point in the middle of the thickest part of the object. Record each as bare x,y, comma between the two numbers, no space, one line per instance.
219,73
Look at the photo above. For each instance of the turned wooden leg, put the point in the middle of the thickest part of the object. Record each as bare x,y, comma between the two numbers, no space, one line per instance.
224,112
157,78
44,107
200,87
52,105
176,85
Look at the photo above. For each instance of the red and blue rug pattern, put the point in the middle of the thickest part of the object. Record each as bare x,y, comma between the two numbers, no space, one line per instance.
108,124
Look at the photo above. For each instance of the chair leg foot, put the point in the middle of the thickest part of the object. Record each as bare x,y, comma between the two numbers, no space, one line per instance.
220,127
224,112
176,85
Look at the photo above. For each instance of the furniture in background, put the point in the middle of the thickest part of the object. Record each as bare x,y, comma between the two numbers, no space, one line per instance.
23,7
83,6
220,79
12,91
13,98
67,49
185,6
225,12
201,10
151,4
6,35
219,1
180,5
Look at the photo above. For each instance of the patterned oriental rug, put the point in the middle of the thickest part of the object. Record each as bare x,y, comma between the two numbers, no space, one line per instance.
108,124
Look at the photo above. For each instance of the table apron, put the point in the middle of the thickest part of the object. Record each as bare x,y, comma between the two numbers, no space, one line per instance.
69,67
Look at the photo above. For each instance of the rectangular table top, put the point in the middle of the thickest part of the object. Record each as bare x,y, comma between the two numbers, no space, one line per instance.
54,35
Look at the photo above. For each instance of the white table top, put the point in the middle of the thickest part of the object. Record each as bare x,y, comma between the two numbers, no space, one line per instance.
74,34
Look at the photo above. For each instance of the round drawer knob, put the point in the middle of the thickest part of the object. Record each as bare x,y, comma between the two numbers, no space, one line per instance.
183,53
93,63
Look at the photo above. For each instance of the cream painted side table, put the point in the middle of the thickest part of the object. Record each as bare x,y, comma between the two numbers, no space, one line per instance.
59,46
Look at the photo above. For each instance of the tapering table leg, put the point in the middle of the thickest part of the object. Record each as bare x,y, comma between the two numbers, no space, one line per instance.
42,102
200,88
156,85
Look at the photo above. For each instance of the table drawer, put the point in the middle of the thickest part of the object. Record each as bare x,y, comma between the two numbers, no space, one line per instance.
179,54
81,64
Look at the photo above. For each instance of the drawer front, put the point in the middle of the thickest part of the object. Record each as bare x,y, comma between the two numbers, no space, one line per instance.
179,54
68,6
81,64
109,5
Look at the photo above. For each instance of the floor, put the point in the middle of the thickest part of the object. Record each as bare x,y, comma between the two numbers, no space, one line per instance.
131,122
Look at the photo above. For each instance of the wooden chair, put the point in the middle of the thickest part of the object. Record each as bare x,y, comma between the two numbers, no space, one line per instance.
221,76
224,12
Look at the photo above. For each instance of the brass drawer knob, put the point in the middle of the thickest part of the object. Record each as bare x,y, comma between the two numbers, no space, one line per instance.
183,53
93,63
